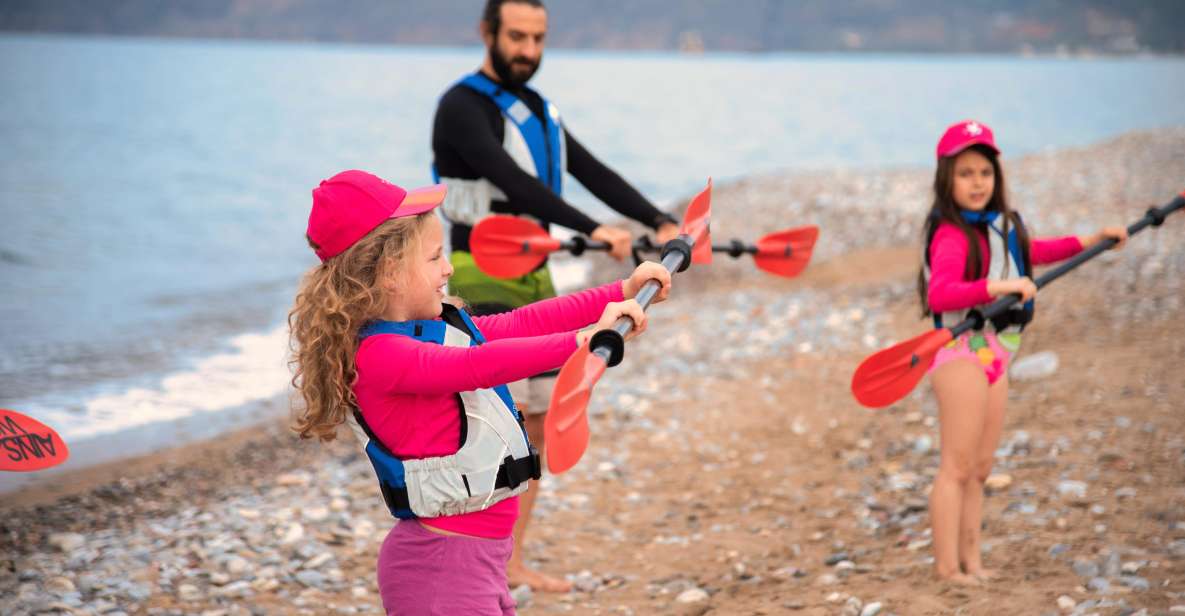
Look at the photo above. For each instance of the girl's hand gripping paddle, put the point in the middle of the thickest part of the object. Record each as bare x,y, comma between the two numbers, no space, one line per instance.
566,425
887,376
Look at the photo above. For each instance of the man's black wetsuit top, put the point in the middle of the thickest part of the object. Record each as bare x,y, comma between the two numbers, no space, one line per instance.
467,144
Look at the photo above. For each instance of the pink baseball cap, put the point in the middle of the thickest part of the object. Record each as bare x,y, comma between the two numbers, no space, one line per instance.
352,203
962,135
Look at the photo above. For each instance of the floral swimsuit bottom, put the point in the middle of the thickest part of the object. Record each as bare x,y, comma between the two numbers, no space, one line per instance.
990,351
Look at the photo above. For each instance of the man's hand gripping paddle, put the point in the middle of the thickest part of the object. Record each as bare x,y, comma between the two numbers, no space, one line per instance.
887,376
566,425
509,247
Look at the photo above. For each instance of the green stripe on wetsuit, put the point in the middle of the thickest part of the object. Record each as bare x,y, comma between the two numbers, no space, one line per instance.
478,290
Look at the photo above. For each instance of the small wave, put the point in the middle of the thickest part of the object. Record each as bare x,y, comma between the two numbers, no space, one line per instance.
256,369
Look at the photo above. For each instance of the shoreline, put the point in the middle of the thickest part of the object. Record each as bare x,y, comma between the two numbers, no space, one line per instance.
1068,54
166,461
148,441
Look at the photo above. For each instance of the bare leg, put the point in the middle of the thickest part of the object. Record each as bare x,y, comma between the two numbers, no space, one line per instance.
961,389
972,514
517,572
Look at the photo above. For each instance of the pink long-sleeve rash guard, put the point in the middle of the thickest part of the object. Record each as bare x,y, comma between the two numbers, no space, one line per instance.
948,258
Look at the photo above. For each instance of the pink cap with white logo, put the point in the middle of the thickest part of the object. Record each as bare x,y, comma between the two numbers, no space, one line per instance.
352,203
962,135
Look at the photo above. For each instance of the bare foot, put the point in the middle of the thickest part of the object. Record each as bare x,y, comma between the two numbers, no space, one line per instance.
983,575
959,578
517,575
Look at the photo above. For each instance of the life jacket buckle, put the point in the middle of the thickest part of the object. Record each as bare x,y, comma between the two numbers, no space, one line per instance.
536,465
518,471
1013,316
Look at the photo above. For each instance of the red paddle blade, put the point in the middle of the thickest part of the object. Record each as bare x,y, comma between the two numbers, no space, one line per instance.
786,253
887,376
29,445
695,225
566,426
509,246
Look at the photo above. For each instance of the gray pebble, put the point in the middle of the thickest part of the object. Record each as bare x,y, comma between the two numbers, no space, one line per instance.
827,579
1034,367
1071,489
522,595
1099,584
1125,492
692,595
311,578
189,592
241,588
1111,564
67,542
1135,582
836,558
1086,569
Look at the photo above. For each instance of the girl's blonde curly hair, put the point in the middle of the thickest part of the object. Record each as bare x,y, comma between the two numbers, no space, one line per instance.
334,301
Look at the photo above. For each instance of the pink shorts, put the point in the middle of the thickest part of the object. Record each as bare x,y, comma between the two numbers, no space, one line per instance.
987,350
422,573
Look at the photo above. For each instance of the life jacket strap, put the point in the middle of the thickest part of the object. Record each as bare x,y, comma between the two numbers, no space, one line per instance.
513,472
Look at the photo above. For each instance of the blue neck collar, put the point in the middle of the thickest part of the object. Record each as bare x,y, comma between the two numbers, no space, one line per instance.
980,217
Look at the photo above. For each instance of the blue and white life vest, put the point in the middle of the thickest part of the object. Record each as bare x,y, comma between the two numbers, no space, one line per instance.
536,146
1005,261
494,460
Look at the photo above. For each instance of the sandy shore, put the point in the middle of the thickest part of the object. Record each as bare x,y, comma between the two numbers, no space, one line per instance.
730,471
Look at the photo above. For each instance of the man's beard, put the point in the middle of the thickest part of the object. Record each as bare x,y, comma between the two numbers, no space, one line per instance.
512,73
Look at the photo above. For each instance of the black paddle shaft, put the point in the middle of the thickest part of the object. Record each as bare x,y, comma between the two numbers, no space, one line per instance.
577,245
1154,217
609,344
735,248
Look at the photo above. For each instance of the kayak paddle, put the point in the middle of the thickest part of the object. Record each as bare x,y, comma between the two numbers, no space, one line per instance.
566,424
509,247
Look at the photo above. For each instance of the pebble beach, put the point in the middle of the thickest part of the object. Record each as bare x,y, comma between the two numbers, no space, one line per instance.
730,470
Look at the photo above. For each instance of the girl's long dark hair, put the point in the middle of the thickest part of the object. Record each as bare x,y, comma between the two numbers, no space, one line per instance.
944,209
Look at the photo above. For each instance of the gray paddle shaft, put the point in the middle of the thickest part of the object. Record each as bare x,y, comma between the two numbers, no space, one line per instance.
608,343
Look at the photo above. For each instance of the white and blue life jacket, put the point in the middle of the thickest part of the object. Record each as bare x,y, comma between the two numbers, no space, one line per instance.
1005,261
495,459
536,146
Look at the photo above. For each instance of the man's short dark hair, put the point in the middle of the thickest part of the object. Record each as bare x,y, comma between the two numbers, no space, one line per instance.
492,15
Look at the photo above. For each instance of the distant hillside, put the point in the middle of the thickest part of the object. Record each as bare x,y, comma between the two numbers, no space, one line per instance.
1042,26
